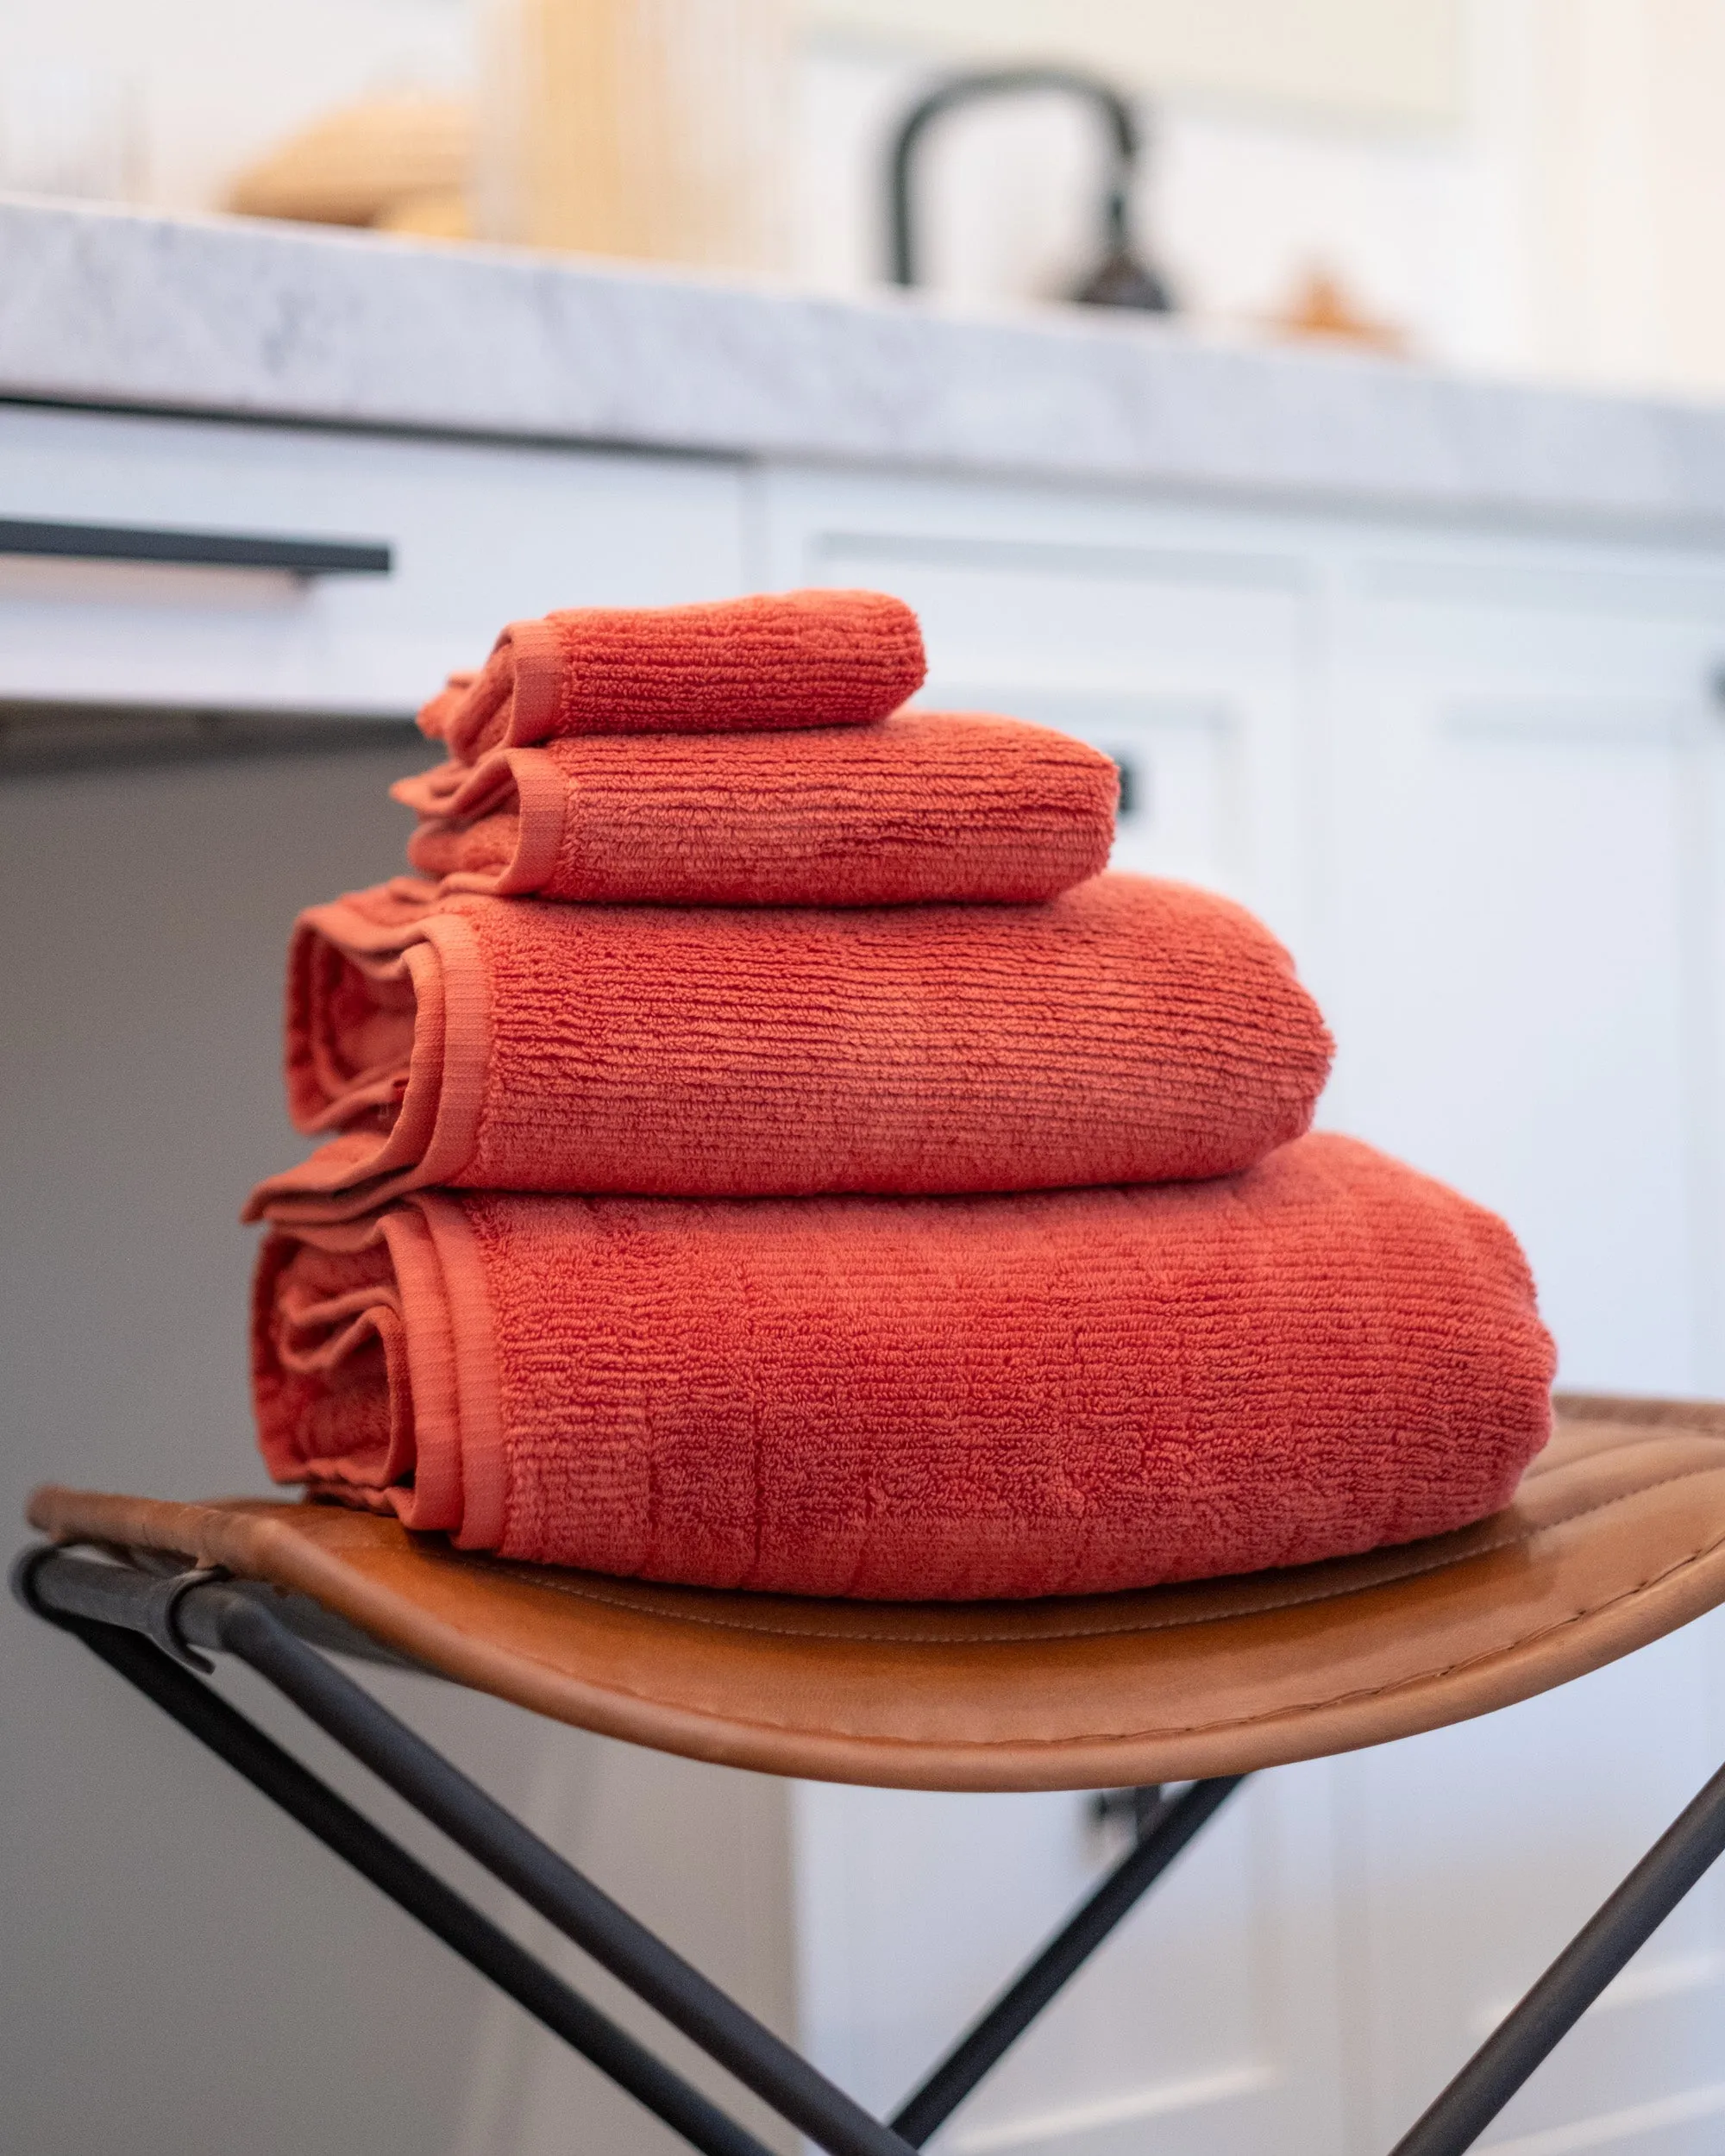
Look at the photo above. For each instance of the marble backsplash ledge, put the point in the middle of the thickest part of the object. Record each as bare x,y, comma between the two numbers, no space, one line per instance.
223,316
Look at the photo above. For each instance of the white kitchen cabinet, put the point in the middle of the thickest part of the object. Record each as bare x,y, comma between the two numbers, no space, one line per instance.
1211,2022
1476,781
1524,972
480,533
1207,2027
1525,960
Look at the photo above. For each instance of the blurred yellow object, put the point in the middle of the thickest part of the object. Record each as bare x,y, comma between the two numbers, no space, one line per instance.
366,164
657,128
1321,307
441,213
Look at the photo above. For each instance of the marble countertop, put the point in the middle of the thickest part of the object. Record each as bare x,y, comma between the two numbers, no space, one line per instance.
221,316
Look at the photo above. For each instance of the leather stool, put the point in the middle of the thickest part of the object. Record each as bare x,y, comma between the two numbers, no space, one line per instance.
1616,1537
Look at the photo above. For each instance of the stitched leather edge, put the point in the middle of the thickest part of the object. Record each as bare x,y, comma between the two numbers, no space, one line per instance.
913,1761
982,1746
1121,1631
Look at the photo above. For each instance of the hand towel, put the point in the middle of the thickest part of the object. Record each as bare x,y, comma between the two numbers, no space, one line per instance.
814,658
926,805
1129,1030
956,1398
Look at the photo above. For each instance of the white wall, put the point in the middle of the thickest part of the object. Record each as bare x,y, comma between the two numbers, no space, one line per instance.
1384,61
204,86
1235,203
1599,183
1565,221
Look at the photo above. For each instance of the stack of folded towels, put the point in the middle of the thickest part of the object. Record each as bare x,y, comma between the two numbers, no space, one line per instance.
764,1151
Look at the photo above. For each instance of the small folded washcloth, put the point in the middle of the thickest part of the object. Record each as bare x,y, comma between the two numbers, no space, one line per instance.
813,658
952,1398
1129,1030
926,805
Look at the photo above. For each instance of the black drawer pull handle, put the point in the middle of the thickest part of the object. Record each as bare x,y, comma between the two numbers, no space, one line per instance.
195,549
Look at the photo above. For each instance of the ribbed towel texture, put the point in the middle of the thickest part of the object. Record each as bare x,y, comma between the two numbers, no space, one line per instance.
939,1398
763,1152
794,659
924,805
1129,1030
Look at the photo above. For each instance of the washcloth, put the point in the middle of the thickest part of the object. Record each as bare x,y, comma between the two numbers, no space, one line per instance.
962,1398
926,806
1129,1030
811,658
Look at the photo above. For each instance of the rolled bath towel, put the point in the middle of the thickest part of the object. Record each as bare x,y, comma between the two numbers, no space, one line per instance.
926,805
950,1397
1129,1030
813,658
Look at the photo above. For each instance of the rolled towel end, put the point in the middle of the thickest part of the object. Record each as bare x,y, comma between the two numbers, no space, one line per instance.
1129,1030
923,807
953,1399
807,658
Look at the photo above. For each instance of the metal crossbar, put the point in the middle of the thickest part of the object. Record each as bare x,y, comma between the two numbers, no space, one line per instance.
150,1628
989,2038
419,1891
1623,1924
108,1606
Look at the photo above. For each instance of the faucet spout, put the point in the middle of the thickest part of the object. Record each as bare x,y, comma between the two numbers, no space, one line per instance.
1122,278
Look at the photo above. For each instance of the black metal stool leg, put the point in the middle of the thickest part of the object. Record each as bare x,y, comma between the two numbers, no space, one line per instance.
580,1910
623,1946
421,1893
1529,2034
1172,1825
110,1605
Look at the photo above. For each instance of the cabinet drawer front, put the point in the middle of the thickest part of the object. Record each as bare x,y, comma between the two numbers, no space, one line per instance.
137,597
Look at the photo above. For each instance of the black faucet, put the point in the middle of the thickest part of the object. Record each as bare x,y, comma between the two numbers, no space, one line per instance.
1123,278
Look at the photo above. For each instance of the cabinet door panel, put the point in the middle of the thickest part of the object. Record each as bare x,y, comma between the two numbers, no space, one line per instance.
1184,791
1204,2021
1524,1021
1476,1853
1521,946
1522,927
1179,645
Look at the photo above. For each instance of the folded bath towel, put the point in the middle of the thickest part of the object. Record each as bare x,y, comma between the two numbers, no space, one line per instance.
947,1397
1129,1030
811,658
926,806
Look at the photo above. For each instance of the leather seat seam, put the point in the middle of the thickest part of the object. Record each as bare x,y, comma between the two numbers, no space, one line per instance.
983,1745
603,1600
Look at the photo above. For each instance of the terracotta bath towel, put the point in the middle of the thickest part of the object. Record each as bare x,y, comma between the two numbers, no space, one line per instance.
814,658
1129,1030
926,806
948,1397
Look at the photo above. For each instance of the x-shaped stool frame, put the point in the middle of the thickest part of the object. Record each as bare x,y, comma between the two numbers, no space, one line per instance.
153,1628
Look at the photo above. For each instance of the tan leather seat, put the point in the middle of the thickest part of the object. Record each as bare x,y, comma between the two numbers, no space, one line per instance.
1616,1537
